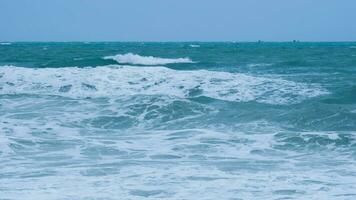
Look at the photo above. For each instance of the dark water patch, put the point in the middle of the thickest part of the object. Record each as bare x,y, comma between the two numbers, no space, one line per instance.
268,153
24,142
204,178
111,122
102,171
203,99
353,195
183,134
38,174
147,193
24,116
56,145
251,166
100,151
316,142
315,116
213,141
195,92
65,88
294,63
288,192
232,113
196,148
345,97
87,86
165,157
10,83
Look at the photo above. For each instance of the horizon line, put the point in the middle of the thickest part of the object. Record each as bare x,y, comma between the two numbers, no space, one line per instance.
178,41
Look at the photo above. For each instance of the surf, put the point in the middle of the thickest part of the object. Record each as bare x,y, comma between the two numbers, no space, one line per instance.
117,80
136,59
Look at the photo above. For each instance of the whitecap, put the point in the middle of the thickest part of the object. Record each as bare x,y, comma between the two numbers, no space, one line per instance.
131,58
5,43
115,80
194,46
259,64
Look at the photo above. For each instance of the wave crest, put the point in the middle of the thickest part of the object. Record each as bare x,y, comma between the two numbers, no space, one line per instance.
115,80
131,58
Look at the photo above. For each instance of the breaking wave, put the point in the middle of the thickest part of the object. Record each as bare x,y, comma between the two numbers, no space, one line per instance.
194,45
131,58
115,80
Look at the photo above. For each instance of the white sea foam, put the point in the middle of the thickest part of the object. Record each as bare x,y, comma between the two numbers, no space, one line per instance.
194,46
117,80
131,58
189,164
259,65
59,149
5,43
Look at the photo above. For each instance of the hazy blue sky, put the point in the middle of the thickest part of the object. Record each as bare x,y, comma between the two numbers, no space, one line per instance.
177,20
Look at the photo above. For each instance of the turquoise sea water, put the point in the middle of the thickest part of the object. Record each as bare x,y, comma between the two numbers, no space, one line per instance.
177,121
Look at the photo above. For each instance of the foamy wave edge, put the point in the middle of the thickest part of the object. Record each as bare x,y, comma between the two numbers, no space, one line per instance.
136,59
117,80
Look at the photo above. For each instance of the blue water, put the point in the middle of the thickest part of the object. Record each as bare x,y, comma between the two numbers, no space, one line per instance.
177,121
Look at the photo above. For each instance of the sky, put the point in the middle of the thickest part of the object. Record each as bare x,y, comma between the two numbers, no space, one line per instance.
177,20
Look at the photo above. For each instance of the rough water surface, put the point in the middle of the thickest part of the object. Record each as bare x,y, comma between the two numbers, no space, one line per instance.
177,121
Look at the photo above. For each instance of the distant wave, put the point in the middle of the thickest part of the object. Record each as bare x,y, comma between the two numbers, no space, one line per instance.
259,65
194,46
5,43
131,58
115,80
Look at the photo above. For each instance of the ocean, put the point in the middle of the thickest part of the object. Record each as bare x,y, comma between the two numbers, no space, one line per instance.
191,120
